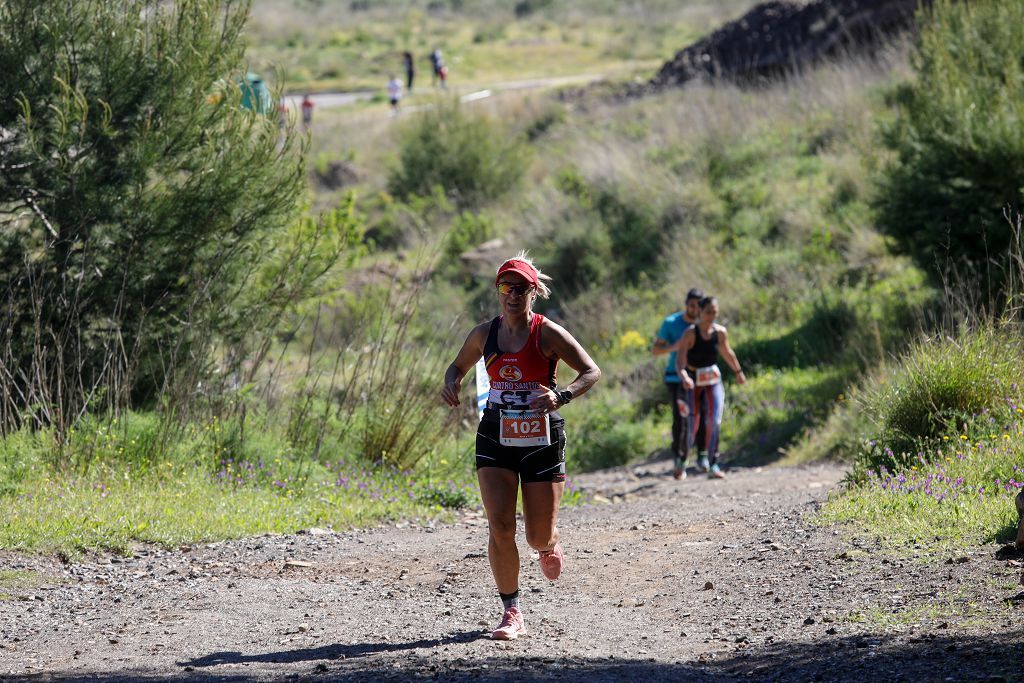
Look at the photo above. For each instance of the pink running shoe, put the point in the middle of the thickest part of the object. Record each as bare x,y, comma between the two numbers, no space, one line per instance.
511,627
552,561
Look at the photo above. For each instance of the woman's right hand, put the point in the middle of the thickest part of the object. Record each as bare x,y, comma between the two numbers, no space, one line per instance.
450,393
686,380
683,407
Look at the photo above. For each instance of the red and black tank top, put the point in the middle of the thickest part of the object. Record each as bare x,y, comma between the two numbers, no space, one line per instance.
516,378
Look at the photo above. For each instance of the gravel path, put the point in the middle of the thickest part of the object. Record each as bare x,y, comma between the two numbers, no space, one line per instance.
665,581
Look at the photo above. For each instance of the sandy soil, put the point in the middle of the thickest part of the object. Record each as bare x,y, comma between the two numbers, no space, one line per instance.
665,581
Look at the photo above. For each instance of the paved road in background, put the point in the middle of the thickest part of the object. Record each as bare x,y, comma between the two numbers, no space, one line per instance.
327,100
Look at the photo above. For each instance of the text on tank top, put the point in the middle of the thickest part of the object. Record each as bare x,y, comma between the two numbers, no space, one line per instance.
517,378
704,351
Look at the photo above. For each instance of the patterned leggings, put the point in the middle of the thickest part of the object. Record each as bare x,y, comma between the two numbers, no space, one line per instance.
708,408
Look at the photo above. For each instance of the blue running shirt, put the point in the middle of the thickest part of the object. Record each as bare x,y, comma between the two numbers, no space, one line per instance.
672,330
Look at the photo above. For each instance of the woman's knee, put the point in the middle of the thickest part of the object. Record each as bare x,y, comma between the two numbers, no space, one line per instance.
503,532
542,539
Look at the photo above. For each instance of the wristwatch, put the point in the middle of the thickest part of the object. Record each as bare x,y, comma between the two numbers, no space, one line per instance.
564,396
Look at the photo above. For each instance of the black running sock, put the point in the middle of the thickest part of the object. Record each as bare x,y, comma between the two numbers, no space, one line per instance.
510,599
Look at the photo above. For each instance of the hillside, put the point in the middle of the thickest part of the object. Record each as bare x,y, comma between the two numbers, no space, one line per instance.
775,38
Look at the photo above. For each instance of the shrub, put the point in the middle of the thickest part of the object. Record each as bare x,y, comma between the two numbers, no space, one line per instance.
608,434
622,237
943,387
959,153
143,205
581,254
468,230
842,436
524,8
451,497
469,155
401,223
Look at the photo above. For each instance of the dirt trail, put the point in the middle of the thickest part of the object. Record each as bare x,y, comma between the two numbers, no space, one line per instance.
665,581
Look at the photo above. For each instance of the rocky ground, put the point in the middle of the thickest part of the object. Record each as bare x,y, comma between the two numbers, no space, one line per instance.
665,581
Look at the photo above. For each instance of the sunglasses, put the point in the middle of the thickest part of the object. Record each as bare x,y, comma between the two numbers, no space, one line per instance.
505,288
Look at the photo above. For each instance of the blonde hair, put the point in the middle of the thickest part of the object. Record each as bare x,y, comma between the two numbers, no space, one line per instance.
543,291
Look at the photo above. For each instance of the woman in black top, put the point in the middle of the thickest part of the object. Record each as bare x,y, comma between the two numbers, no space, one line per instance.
696,363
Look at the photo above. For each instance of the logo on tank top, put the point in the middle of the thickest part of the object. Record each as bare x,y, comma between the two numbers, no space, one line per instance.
510,373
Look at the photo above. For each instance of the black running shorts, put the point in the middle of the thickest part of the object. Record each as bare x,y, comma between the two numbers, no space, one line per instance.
532,463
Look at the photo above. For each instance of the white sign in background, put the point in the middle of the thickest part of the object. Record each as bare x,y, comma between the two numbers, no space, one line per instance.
483,387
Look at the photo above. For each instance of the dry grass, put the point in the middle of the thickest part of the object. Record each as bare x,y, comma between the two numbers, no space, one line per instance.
328,46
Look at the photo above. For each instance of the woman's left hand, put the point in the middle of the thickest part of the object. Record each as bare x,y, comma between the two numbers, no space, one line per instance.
546,402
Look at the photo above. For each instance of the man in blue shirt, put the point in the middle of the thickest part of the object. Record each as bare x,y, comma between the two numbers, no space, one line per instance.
681,400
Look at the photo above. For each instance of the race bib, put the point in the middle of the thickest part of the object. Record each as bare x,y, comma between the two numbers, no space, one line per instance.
708,376
524,428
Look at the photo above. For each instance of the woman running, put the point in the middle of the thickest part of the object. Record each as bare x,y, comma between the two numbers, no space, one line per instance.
521,438
698,355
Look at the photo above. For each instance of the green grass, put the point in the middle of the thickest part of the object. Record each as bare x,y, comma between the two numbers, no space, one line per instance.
946,386
143,478
15,581
774,407
108,494
960,495
112,512
945,607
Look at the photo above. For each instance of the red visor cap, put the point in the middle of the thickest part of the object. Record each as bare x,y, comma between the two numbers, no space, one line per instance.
522,267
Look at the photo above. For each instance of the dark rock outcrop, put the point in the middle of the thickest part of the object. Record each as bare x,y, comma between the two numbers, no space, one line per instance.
778,37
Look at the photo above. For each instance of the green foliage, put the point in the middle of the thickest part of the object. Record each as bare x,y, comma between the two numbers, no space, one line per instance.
959,153
958,495
468,155
617,238
943,388
451,497
768,413
141,204
580,256
524,8
388,402
403,223
489,34
636,235
841,436
468,230
23,456
608,434
814,342
546,120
